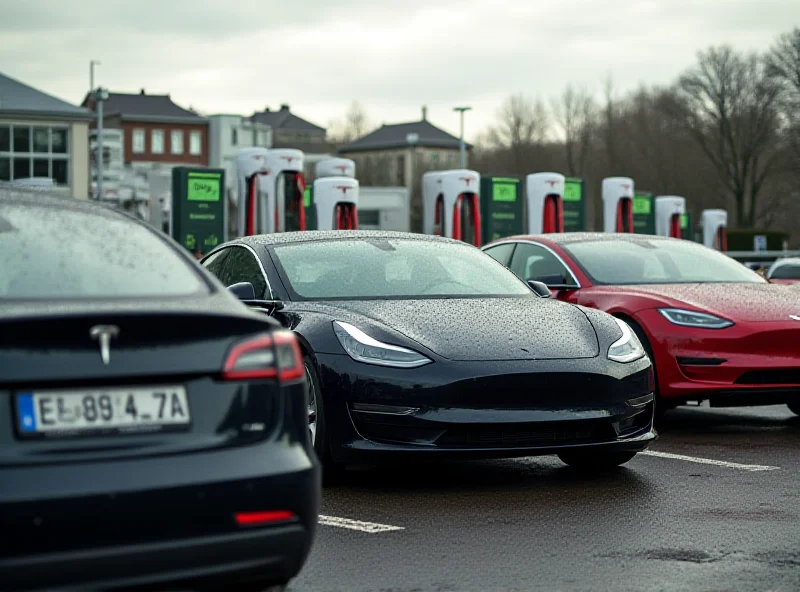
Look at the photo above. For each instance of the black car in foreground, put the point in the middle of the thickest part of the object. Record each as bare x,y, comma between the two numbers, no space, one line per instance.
420,346
152,429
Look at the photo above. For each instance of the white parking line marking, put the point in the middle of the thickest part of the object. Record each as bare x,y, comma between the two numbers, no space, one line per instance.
709,461
369,527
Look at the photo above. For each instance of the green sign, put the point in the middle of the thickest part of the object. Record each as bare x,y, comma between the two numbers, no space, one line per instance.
198,208
504,192
502,208
203,187
644,213
687,232
311,209
574,205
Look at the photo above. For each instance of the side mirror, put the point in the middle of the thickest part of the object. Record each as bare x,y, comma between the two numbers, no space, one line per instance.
243,291
553,282
540,288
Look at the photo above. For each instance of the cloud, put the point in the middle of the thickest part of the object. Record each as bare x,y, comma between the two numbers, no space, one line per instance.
391,56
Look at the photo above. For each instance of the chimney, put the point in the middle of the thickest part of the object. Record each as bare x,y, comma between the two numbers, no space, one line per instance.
284,107
424,113
141,92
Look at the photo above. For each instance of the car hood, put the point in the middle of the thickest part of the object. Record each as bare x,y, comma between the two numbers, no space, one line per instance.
736,302
489,329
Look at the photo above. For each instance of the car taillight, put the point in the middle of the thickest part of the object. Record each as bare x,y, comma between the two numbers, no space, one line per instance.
267,356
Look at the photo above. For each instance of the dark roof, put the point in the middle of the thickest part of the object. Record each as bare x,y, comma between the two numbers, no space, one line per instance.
389,137
284,119
144,107
567,238
269,240
18,98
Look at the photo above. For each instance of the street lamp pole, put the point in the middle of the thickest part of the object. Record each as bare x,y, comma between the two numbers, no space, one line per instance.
462,148
92,64
100,95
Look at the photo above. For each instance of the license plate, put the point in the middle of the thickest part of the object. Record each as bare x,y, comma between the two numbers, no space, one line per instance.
67,413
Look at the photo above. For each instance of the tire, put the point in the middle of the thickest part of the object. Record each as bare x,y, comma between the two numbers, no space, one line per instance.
332,471
794,407
595,461
661,406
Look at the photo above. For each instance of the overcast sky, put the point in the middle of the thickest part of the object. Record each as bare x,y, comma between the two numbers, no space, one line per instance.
238,56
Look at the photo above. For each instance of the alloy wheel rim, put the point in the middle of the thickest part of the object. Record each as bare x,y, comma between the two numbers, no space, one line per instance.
312,407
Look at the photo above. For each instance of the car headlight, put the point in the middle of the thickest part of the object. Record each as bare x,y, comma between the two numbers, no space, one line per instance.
627,348
689,318
363,348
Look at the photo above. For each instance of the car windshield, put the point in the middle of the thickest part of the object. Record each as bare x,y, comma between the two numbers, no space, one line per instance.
394,268
787,271
54,253
657,261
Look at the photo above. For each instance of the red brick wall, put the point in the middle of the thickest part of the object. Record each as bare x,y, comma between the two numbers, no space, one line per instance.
167,156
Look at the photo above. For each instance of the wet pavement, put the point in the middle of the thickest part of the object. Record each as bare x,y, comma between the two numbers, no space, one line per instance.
715,508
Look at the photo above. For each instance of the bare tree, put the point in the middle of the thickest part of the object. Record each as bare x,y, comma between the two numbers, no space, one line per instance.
610,119
354,125
729,105
783,63
522,123
575,113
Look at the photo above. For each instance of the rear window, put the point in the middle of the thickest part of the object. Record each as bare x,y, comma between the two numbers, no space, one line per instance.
53,252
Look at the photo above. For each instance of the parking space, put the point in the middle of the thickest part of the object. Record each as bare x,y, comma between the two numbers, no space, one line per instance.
714,506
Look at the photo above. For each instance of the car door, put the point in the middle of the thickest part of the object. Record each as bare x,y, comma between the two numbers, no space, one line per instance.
533,261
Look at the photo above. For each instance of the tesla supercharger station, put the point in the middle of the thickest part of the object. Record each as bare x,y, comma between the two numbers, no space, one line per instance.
251,176
329,167
670,210
286,187
462,205
715,229
544,193
432,203
336,203
618,194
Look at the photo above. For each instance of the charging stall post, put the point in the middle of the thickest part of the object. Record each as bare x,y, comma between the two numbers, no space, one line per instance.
336,203
251,176
670,215
715,229
327,168
545,202
574,202
617,196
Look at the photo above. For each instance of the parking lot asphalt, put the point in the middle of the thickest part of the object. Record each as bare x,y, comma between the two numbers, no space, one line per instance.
715,507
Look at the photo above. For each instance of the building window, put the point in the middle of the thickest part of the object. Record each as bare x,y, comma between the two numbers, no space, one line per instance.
34,151
138,141
195,143
451,157
176,142
234,136
401,171
157,141
434,158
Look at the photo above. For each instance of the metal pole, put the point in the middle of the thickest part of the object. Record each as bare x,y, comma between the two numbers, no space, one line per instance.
462,147
99,145
92,64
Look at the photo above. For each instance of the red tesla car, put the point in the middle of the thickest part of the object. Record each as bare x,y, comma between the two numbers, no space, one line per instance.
784,271
714,329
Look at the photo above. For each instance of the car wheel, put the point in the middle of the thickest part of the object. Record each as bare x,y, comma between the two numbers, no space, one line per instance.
595,461
794,407
661,406
317,427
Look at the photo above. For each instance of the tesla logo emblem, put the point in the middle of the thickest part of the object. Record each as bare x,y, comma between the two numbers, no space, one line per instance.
344,188
625,187
342,168
466,180
551,183
794,317
104,334
288,159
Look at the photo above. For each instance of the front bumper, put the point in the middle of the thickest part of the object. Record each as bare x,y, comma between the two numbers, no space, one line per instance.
747,364
484,409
